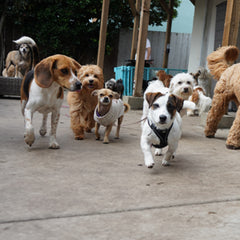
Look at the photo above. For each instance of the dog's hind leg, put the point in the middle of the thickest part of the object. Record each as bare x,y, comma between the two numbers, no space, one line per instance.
43,129
219,106
118,127
54,123
233,140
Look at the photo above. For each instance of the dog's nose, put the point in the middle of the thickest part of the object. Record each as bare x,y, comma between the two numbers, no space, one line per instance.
78,85
91,81
162,118
185,90
105,99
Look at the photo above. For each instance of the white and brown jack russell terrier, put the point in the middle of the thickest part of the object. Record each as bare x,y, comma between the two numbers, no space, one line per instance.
162,126
42,91
109,109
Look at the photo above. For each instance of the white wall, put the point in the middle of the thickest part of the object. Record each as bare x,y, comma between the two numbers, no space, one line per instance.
203,34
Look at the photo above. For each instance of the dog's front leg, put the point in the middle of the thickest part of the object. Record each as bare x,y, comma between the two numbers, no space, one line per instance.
118,127
107,132
43,129
146,149
29,136
54,123
97,125
169,154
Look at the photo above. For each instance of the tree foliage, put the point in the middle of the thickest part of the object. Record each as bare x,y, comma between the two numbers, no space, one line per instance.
64,26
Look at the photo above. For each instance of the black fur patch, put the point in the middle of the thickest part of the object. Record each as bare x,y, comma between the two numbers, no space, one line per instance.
28,79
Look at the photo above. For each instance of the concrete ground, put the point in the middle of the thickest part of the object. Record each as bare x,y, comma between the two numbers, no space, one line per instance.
91,190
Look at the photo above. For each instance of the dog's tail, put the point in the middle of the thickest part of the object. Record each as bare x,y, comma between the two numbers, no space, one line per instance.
26,40
188,105
126,107
221,59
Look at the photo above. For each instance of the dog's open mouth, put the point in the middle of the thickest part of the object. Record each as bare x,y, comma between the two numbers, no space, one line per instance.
90,85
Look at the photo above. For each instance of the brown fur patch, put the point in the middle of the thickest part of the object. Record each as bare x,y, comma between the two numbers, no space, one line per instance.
221,59
176,104
165,78
151,97
195,96
60,93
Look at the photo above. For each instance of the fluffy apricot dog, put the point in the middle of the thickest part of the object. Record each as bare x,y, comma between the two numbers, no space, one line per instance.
220,64
82,103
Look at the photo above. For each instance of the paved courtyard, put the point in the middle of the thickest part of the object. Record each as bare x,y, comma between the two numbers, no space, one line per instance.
90,190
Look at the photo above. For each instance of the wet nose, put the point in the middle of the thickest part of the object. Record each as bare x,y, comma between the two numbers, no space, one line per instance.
78,85
105,99
91,81
185,90
162,118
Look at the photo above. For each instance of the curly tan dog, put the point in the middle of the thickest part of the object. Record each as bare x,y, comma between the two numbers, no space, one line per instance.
220,64
82,103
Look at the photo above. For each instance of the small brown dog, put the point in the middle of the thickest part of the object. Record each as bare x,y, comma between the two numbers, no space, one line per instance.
83,103
109,109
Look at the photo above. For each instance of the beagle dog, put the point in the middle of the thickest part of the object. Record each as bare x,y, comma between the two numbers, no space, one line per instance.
42,91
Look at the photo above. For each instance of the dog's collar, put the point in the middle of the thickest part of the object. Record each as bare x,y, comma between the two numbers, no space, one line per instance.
97,113
161,134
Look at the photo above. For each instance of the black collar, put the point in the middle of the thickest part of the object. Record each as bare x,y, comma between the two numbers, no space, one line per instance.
161,134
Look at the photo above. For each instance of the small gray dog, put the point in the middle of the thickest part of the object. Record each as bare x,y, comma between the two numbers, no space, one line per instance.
116,86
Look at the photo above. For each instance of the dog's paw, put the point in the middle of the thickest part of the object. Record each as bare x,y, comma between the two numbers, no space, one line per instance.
232,147
88,130
29,137
149,163
158,152
165,163
42,131
79,137
54,145
105,140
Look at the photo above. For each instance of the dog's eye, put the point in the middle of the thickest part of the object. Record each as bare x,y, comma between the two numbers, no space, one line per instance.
170,106
179,83
111,96
75,72
87,75
101,94
64,71
155,105
188,82
95,75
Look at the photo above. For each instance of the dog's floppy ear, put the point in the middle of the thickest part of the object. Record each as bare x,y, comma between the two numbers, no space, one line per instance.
151,97
77,65
43,72
95,93
178,101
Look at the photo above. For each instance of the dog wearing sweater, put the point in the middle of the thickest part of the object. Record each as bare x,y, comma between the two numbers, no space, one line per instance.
109,109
